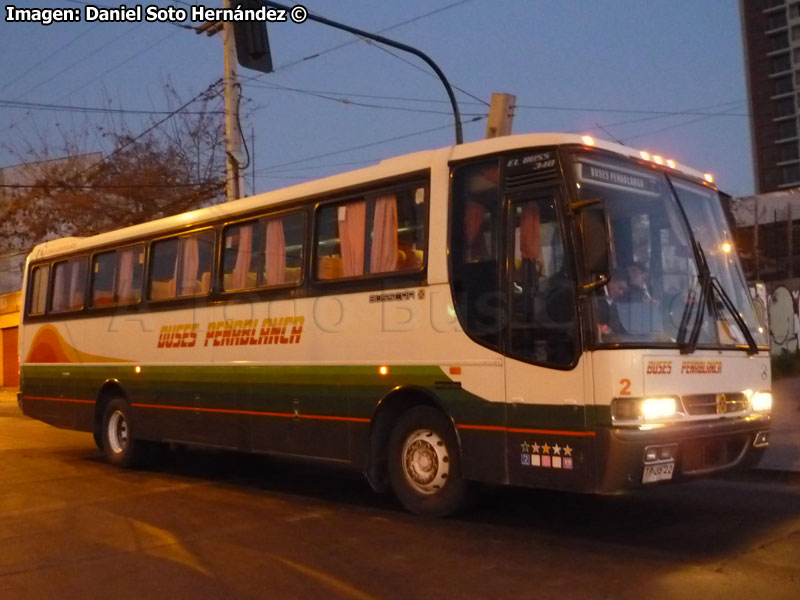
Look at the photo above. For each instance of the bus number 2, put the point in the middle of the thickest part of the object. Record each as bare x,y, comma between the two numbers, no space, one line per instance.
626,387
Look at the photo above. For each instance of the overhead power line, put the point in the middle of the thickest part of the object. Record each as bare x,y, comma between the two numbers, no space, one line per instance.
92,109
361,146
348,102
32,69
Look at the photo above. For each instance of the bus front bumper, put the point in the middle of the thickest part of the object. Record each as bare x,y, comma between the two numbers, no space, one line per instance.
640,457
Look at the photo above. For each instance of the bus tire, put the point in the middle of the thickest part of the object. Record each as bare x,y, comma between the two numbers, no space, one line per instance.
119,444
424,463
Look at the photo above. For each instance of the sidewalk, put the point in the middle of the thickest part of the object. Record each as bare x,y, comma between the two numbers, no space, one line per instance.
784,448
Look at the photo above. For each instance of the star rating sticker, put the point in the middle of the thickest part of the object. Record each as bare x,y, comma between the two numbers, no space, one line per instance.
567,451
545,449
557,450
535,448
525,447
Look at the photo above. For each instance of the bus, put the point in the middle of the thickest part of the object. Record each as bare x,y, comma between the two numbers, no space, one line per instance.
542,310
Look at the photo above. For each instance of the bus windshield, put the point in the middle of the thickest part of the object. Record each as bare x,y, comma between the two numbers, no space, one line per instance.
653,294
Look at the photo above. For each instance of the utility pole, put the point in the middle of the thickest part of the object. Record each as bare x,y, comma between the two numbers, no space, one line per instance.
233,134
501,115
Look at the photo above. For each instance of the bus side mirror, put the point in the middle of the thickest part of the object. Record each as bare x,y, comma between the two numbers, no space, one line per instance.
252,44
595,237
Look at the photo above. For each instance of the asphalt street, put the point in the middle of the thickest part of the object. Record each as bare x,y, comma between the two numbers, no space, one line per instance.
215,525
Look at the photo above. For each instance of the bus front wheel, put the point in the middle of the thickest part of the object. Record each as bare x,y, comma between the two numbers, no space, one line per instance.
424,463
119,445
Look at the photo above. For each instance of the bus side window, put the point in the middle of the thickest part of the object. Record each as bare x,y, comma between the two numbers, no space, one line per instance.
38,302
241,252
283,250
163,269
340,240
397,230
128,280
69,285
181,266
103,268
117,277
196,258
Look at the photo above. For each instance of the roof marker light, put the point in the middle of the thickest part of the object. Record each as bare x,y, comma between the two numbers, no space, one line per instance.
671,163
708,177
658,160
644,155
588,140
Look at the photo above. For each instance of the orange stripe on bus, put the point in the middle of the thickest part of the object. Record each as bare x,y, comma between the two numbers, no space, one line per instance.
74,400
258,413
520,430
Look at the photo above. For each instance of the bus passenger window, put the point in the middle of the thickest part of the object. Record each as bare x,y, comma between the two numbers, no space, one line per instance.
163,269
340,240
117,277
103,268
69,285
240,255
196,257
283,250
38,300
128,281
397,231
181,266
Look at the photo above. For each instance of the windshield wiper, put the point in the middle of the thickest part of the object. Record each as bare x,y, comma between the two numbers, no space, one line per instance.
705,278
709,285
752,346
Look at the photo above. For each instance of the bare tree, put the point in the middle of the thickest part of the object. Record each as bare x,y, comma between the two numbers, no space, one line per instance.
174,164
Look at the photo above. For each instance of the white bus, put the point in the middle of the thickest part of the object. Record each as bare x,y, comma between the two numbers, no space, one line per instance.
537,310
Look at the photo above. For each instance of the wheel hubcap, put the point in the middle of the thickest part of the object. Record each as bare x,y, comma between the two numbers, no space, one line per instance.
426,461
118,432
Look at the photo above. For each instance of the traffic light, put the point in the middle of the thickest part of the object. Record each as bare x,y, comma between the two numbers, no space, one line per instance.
252,44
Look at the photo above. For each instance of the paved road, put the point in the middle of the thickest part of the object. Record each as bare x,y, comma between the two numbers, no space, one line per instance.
207,525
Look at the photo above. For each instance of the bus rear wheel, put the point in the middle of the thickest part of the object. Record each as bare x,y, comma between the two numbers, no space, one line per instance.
119,445
424,463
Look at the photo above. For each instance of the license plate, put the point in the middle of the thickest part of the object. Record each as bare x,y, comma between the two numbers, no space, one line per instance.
659,472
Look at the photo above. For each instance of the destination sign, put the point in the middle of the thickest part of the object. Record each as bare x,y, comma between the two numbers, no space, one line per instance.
611,177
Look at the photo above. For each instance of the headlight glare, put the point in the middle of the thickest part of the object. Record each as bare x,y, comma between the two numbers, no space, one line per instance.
761,402
654,409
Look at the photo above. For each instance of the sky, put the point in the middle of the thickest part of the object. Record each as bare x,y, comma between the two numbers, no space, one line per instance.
667,77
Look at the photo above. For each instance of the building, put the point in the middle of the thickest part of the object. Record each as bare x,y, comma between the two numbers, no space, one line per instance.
9,331
771,36
767,234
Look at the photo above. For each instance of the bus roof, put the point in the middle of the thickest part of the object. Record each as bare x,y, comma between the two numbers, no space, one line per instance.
385,169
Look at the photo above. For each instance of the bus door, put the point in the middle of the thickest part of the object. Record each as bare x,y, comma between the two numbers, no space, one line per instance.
544,378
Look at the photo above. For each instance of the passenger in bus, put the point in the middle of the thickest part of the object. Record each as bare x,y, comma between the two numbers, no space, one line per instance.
637,279
609,304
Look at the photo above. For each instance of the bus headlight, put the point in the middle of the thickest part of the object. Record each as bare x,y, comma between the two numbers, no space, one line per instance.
638,410
654,409
761,402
